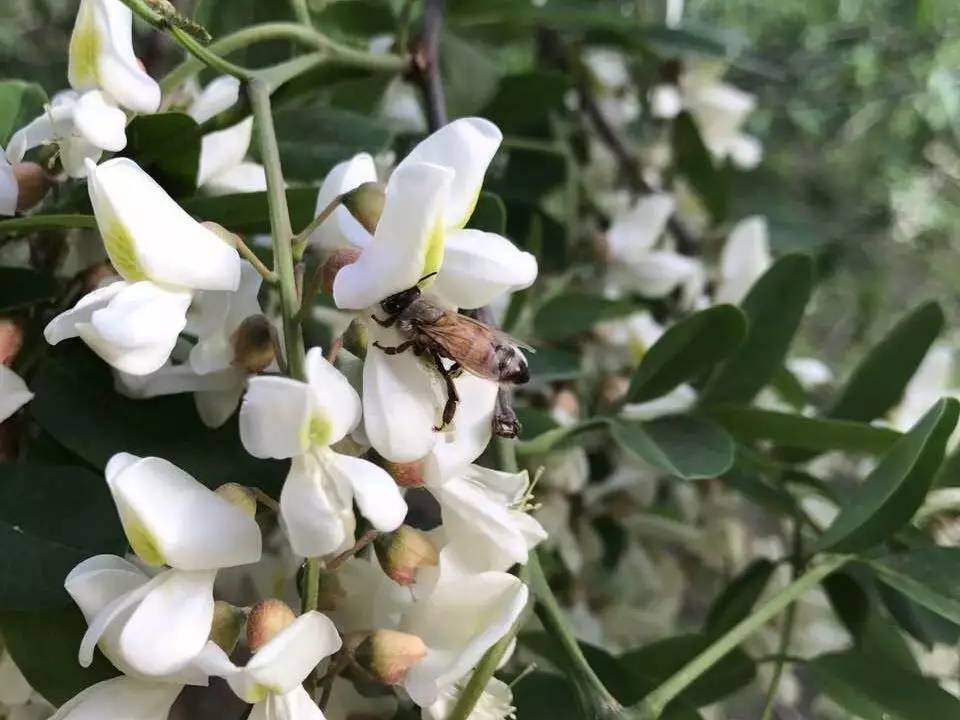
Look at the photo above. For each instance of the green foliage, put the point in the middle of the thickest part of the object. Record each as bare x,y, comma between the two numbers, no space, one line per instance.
20,102
22,287
573,313
738,598
685,446
167,146
927,575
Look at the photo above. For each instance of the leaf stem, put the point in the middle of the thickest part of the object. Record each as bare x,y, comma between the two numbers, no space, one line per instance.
23,225
301,12
247,254
652,705
207,56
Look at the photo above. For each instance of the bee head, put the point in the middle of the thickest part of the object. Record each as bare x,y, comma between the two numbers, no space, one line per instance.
398,302
512,365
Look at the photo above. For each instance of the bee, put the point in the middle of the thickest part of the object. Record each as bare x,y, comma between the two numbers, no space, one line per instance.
436,333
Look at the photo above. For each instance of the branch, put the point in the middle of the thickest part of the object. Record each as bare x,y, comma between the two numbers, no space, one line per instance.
426,62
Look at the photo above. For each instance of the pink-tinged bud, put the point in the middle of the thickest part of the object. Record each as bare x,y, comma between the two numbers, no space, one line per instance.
402,552
365,203
614,388
266,620
32,184
11,340
338,259
406,475
240,497
227,625
386,654
254,347
566,406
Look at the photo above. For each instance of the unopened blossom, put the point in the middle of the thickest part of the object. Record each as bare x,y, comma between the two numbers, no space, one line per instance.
223,166
163,256
744,258
285,418
155,627
14,393
272,680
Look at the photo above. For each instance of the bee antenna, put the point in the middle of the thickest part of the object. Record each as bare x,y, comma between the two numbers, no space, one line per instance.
427,277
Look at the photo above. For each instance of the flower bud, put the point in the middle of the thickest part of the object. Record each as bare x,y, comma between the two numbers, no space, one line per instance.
403,551
266,619
337,260
11,340
32,184
227,625
406,475
240,497
365,203
386,654
253,344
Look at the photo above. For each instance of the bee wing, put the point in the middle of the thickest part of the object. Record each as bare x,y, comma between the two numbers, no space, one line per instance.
499,336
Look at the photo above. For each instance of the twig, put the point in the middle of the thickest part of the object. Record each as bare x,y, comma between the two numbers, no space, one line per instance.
426,62
247,254
340,663
368,537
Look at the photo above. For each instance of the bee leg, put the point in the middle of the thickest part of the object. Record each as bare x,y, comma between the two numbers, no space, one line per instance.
456,370
385,323
396,349
450,407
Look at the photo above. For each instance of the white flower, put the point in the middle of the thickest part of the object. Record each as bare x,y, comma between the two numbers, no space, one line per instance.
14,393
222,167
273,678
342,229
744,258
614,90
102,57
82,126
163,256
121,698
9,188
635,333
495,703
156,626
285,418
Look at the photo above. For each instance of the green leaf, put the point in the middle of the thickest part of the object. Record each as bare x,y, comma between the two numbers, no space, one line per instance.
314,138
572,313
167,146
774,308
44,646
550,365
490,214
685,446
927,575
878,382
20,102
249,213
687,349
893,491
523,102
871,689
694,161
546,696
51,518
653,664
22,287
470,74
76,403
738,598
749,423
363,18
556,436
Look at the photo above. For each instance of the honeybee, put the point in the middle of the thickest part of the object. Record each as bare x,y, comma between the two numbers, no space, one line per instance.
435,333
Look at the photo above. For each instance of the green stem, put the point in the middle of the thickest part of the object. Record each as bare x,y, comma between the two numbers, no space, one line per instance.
208,57
284,31
301,238
259,94
277,75
23,225
653,704
247,254
301,12
595,699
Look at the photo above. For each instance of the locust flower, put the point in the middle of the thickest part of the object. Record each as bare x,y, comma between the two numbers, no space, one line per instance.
223,168
163,256
744,258
272,681
9,188
14,393
121,698
155,627
285,418
495,702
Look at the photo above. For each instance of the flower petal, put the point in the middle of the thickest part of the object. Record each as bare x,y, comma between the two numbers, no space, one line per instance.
64,325
471,430
101,122
400,404
408,243
9,189
294,705
284,662
121,697
101,56
633,235
55,122
223,149
659,273
215,407
459,621
172,519
374,491
342,229
480,266
335,404
148,236
317,506
14,688
275,417
220,94
14,393
745,257
171,624
466,146
245,177
100,580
